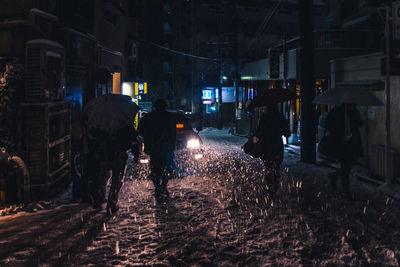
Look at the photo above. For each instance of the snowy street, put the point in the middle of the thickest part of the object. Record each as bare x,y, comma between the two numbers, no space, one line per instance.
304,225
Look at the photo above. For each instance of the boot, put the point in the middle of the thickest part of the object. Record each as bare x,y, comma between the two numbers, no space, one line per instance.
333,179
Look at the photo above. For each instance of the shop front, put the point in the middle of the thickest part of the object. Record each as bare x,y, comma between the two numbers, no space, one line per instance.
210,100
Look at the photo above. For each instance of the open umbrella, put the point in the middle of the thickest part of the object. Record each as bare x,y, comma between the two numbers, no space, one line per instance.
108,113
347,95
272,96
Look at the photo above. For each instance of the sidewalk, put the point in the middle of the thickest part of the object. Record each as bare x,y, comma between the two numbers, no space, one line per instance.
48,236
360,175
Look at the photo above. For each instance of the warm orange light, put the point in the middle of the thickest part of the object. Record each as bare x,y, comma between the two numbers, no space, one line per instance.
179,126
117,83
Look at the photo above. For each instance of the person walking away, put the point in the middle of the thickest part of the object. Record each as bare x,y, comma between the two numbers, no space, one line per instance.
158,129
102,155
271,128
343,123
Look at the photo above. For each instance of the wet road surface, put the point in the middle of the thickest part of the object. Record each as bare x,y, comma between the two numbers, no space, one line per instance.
304,225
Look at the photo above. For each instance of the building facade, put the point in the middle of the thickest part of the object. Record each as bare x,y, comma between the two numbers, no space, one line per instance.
98,43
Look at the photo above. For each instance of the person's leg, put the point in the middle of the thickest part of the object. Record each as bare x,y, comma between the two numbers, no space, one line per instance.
269,176
99,184
171,167
166,170
90,176
333,179
118,173
85,178
276,175
155,167
135,152
346,167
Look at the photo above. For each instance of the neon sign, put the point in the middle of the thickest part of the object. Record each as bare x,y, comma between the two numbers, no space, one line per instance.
206,94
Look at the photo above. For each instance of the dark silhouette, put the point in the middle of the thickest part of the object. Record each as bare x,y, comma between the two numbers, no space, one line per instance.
343,123
158,129
271,128
100,156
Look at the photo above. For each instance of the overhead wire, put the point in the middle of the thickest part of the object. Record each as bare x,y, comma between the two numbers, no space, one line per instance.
179,52
265,24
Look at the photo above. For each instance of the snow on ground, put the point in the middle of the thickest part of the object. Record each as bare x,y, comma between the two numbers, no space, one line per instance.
304,225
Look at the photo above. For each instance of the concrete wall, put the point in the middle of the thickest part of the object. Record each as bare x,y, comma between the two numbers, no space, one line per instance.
257,70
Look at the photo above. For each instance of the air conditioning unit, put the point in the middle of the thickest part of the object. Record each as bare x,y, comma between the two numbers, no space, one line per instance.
45,71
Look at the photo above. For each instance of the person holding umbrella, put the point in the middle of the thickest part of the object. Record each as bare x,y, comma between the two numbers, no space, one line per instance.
268,135
108,132
343,123
342,126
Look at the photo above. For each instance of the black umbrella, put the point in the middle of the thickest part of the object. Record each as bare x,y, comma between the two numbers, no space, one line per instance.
272,96
108,113
347,95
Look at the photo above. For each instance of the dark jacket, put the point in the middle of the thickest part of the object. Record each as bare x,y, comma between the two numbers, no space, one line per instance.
270,130
335,127
158,129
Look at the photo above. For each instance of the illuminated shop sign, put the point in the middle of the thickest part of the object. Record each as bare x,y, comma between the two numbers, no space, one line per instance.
140,88
207,94
127,89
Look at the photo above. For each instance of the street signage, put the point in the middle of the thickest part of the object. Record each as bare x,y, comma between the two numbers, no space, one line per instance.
396,20
207,94
140,88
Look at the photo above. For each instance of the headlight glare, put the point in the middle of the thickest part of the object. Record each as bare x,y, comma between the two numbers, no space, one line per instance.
193,143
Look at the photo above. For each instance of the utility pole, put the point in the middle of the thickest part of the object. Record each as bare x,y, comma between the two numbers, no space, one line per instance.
194,62
285,69
389,165
307,84
219,120
236,62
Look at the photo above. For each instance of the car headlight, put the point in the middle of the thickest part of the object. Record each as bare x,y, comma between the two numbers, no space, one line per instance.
193,143
144,161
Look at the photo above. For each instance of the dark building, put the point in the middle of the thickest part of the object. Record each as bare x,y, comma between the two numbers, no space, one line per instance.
72,51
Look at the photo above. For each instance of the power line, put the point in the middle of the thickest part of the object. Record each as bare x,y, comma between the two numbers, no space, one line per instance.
265,24
178,52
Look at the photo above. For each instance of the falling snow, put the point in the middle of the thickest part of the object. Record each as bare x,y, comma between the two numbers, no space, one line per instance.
219,214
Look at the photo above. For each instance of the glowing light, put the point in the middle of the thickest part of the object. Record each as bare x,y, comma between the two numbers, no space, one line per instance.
179,126
193,143
144,161
198,156
127,88
284,139
206,94
224,77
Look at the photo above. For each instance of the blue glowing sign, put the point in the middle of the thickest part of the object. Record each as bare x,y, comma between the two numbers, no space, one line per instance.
206,94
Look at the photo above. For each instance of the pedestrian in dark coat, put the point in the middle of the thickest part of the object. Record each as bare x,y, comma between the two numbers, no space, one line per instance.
346,137
158,129
271,128
105,154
